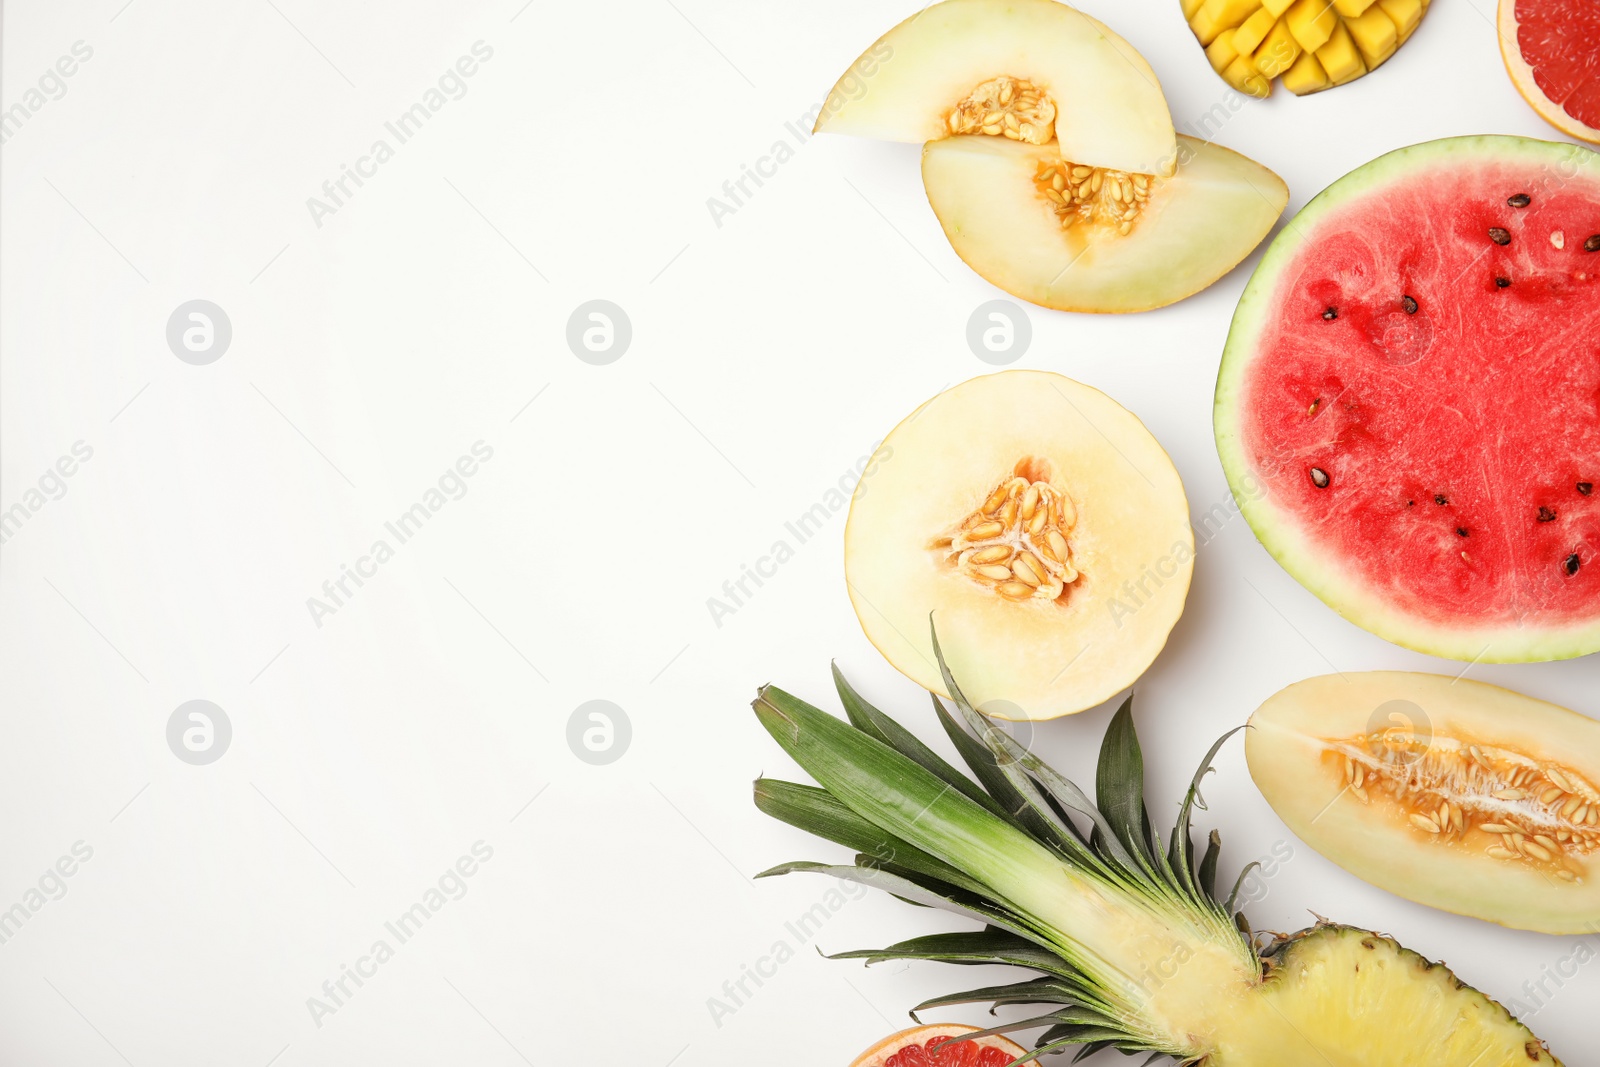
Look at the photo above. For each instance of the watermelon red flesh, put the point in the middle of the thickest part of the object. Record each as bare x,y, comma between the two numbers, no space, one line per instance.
1560,40
1460,442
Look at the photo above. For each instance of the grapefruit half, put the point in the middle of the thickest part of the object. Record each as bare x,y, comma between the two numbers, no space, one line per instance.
1552,51
915,1048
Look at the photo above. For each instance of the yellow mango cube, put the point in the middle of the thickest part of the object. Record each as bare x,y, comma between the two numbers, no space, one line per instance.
1243,76
1375,35
1312,23
1351,9
1340,57
1221,51
1277,53
1277,7
1404,13
1306,76
1191,8
1215,16
1248,37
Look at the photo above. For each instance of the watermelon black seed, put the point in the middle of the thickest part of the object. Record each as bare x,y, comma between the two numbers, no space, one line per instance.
1502,282
1409,304
1546,515
1441,499
1592,244
1330,314
1571,565
1499,236
1461,531
1319,477
1585,488
1520,200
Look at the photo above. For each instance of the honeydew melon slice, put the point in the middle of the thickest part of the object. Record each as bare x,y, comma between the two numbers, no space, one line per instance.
1187,231
1361,766
1097,96
1043,527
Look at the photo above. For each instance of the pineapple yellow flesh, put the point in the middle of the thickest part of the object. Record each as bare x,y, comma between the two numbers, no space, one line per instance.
1336,996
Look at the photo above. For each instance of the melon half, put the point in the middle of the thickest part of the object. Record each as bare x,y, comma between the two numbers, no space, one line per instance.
1042,528
1452,793
1408,407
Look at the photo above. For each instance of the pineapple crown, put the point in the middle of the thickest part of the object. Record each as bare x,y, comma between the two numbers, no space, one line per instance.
963,850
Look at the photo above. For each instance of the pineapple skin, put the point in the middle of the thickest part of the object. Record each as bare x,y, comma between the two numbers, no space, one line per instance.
1339,996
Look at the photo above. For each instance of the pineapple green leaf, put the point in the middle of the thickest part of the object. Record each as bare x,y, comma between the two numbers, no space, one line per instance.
1018,764
1032,991
817,812
874,723
912,892
1019,794
1119,787
973,947
1233,897
1208,866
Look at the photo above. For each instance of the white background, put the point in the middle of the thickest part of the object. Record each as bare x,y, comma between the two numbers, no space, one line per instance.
769,353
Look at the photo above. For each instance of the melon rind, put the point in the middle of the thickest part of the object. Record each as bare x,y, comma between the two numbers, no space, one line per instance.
1276,528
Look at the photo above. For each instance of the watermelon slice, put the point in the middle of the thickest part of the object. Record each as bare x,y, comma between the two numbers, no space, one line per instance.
1408,407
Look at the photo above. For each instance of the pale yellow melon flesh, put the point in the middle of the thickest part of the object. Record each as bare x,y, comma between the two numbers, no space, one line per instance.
1297,745
1198,225
1110,111
1131,543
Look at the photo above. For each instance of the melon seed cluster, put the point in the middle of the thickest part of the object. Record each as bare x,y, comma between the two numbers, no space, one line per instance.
1005,106
1311,44
1092,194
1527,811
1015,542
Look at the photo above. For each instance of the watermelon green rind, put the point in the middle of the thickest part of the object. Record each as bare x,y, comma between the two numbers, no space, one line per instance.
1316,569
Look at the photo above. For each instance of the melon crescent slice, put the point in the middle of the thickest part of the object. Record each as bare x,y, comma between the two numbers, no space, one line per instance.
1105,105
1152,241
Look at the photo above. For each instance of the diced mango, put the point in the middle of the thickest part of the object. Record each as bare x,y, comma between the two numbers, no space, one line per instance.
1277,53
1191,8
1243,76
1306,76
1351,8
1248,37
1340,57
1404,13
1277,7
1215,16
1312,23
1375,35
1221,51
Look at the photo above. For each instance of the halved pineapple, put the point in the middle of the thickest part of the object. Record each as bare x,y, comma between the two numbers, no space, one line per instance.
1077,238
1310,44
1127,941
